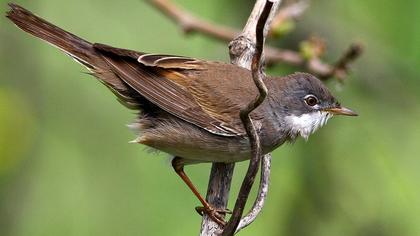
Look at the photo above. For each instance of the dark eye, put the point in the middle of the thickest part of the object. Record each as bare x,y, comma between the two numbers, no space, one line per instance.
311,100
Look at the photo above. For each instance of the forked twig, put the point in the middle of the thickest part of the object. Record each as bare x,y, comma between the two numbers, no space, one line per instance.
254,139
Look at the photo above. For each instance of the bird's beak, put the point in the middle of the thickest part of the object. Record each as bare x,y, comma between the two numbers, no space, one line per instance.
341,111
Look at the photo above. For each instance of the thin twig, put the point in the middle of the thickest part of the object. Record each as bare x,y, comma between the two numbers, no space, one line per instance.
208,227
253,136
341,67
273,55
262,194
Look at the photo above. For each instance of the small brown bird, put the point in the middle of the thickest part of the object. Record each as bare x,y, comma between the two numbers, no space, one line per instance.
189,108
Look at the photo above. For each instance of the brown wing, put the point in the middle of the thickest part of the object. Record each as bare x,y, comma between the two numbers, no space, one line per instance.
207,94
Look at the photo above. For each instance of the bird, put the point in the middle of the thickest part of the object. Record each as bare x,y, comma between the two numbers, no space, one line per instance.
189,107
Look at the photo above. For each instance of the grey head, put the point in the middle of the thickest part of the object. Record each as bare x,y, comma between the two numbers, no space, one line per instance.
302,104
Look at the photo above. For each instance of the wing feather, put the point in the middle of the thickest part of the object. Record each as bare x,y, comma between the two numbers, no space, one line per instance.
169,61
207,94
165,91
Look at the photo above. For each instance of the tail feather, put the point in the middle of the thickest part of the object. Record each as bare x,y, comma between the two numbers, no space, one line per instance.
79,49
76,47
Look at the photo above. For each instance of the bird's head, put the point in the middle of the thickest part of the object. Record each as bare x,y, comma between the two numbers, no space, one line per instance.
305,104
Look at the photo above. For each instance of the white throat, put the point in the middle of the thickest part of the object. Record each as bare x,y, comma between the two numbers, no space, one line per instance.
306,124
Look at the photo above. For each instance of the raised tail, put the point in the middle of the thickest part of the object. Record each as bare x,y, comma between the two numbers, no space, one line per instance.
78,48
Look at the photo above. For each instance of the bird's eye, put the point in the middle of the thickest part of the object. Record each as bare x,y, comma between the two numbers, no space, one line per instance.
311,100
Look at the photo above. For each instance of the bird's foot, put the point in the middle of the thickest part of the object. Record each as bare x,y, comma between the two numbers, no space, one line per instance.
217,215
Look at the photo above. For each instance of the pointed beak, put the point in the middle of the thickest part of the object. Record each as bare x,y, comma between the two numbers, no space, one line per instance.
341,111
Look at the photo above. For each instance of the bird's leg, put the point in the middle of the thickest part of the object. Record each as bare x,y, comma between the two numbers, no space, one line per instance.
215,214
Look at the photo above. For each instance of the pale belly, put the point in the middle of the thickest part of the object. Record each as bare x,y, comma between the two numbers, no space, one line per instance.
204,148
189,142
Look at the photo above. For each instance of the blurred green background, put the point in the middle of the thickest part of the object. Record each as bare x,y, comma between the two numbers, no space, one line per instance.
66,167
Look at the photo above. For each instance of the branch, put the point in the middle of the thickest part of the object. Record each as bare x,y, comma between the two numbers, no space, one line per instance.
242,50
217,195
191,24
262,194
254,139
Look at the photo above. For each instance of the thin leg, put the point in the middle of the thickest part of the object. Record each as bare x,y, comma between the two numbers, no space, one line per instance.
178,165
